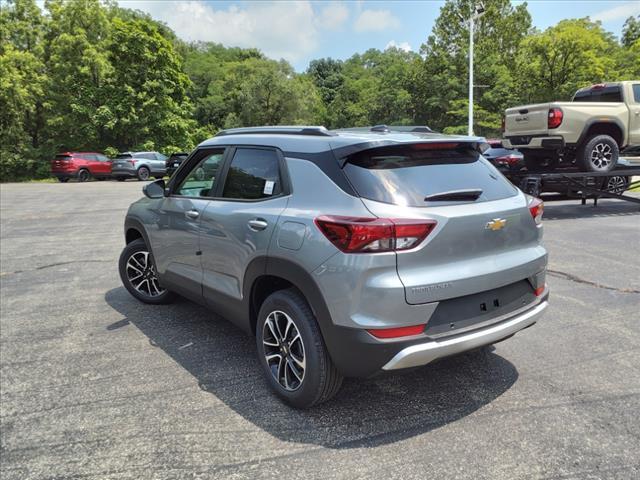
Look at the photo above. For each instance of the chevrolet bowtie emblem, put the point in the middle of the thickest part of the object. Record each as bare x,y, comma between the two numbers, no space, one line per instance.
496,224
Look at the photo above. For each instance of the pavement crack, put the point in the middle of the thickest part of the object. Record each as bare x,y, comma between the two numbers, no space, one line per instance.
574,278
56,264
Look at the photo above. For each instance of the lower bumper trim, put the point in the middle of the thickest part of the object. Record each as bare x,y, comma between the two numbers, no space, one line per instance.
424,353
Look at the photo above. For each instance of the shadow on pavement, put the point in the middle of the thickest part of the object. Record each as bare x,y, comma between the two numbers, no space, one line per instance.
573,210
366,412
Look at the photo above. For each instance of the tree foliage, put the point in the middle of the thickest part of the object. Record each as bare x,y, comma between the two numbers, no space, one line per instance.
88,74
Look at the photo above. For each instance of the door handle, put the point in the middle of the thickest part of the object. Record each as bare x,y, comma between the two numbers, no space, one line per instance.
192,214
258,224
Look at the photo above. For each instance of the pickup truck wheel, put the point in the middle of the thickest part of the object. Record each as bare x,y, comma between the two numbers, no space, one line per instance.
139,276
617,184
599,154
292,351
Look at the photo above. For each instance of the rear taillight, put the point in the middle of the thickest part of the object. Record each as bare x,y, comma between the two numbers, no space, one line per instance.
132,162
509,160
554,119
370,235
397,332
536,207
540,290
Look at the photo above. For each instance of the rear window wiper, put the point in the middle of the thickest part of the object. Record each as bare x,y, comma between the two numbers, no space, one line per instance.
454,195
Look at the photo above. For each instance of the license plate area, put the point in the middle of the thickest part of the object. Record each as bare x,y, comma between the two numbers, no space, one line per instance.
460,313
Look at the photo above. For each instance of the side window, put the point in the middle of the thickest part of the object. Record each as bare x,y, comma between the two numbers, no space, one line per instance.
91,156
160,157
636,92
102,158
253,174
200,180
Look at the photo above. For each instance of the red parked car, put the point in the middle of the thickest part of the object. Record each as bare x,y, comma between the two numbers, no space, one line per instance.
81,165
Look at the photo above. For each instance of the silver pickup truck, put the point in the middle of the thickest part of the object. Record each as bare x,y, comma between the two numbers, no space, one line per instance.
588,132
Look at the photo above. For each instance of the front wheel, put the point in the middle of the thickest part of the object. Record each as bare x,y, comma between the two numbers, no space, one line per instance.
139,276
292,351
143,174
599,154
84,175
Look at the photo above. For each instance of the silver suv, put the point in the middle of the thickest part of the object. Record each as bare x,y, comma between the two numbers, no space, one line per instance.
343,252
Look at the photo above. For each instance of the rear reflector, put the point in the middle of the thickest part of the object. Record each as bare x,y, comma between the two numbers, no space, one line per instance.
536,207
371,235
539,291
397,332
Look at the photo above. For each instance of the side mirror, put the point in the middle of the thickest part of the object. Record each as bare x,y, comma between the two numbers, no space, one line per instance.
155,189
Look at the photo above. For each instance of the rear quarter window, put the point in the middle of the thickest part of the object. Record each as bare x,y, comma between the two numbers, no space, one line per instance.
407,175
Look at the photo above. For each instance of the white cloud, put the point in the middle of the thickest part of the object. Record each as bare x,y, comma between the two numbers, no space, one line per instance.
286,30
620,12
333,16
399,45
376,21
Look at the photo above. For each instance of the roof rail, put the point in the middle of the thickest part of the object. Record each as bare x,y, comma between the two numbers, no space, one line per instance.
391,128
316,131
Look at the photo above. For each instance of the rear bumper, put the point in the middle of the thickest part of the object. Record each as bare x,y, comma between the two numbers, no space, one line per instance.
543,142
124,172
423,353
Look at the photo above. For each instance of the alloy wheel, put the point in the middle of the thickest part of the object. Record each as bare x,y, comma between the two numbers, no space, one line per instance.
284,350
601,156
616,184
83,176
141,274
143,174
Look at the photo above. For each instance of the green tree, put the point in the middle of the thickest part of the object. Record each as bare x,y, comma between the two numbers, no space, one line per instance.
553,64
148,103
631,31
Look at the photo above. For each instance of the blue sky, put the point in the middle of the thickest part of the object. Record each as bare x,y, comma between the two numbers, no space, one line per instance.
300,31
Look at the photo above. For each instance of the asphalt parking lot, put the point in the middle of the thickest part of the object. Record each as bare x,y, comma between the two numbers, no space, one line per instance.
97,385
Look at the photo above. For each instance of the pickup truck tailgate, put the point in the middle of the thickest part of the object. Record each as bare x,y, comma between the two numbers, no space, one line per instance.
526,120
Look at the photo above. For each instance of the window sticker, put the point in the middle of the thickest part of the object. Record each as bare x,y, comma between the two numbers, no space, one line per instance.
268,187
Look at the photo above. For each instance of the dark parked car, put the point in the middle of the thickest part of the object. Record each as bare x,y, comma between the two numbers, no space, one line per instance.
174,161
504,159
140,165
80,165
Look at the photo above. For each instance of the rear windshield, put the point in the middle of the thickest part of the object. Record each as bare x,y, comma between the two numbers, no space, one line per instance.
408,175
123,155
602,94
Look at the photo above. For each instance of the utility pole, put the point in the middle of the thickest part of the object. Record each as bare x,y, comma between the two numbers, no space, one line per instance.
477,12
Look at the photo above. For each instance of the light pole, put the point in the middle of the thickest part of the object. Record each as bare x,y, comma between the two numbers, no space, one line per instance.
478,11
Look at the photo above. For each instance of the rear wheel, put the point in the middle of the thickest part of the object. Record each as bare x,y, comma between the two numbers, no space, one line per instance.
292,351
143,174
84,175
617,184
139,276
599,154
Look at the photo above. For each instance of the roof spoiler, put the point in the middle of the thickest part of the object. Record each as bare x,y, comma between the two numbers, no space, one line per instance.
314,131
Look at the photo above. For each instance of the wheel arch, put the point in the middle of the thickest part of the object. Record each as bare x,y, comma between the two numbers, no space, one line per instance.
610,126
133,230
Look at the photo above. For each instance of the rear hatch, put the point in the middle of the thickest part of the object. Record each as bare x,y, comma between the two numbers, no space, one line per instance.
62,162
121,161
485,237
526,120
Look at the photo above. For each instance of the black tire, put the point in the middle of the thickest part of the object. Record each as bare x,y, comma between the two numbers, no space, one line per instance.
128,267
143,174
84,175
63,179
617,184
320,378
120,179
599,154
